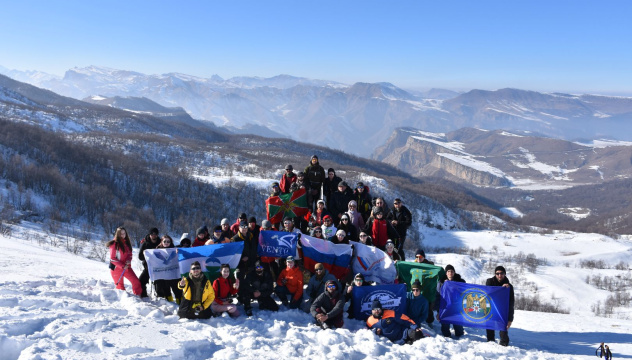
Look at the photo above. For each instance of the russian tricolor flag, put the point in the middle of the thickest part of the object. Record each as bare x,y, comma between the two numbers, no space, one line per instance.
336,258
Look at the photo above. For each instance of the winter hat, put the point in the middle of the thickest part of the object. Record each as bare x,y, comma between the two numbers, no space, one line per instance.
376,304
378,210
359,276
327,217
153,231
320,201
500,268
217,228
416,285
389,242
331,170
266,224
343,183
199,231
243,223
300,174
289,258
420,252
252,220
257,264
224,222
276,183
360,184
186,242
184,236
243,216
449,267
289,167
314,157
331,282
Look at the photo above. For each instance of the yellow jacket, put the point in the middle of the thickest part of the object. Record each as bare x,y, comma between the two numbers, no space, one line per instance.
208,294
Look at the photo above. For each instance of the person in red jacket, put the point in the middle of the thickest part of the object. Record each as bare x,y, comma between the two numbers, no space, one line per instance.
287,179
290,282
224,289
380,229
121,261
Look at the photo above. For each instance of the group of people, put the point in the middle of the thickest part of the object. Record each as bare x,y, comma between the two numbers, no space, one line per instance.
338,214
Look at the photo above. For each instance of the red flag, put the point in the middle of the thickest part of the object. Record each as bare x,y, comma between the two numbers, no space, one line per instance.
286,205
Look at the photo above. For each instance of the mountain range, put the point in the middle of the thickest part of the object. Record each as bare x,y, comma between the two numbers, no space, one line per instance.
353,118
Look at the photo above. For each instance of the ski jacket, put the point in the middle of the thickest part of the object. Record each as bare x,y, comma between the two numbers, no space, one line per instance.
392,327
404,219
253,282
199,242
330,304
294,281
208,294
286,182
121,256
381,230
316,287
331,186
339,203
416,308
315,175
494,282
223,290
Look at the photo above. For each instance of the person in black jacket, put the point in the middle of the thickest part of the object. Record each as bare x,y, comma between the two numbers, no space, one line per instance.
150,242
401,219
258,285
328,307
500,279
249,254
330,185
450,275
339,202
358,280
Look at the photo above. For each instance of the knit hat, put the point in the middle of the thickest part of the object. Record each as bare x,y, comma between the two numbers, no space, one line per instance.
416,284
314,157
389,242
199,231
359,276
320,201
327,217
420,252
449,267
289,167
276,183
153,231
376,304
266,224
360,184
289,258
343,183
252,220
243,216
500,268
243,223
217,228
378,210
225,222
331,282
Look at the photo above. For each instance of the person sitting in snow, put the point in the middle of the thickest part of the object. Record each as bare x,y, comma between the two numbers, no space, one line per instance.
290,283
225,288
328,307
258,285
197,294
398,329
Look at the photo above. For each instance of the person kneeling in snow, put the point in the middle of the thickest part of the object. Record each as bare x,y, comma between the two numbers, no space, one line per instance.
328,307
197,294
400,330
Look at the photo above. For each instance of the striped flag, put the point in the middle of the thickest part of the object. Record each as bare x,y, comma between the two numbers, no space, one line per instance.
334,257
373,263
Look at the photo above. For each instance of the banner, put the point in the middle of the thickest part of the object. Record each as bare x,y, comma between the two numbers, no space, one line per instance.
162,264
277,244
427,274
392,297
373,263
286,205
485,307
211,257
334,257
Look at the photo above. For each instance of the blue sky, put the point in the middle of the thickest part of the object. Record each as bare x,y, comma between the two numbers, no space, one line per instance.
580,46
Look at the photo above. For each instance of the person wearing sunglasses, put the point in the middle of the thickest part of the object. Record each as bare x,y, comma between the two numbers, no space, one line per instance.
358,280
258,285
450,275
500,279
417,306
316,285
327,309
401,219
317,232
249,254
349,229
197,294
165,287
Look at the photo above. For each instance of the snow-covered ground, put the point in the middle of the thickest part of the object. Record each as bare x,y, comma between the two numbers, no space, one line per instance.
56,305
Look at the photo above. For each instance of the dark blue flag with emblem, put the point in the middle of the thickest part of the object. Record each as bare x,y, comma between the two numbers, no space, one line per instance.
278,244
485,307
392,297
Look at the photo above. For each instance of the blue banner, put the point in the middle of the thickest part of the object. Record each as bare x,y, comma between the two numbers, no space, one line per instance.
485,307
277,244
392,297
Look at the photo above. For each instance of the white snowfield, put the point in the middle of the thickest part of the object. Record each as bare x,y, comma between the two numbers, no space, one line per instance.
55,305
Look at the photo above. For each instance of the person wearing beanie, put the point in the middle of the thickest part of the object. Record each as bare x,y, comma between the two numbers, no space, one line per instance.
150,242
253,227
363,200
226,231
450,275
315,176
235,227
290,283
339,202
249,253
380,230
358,280
416,305
288,178
328,308
216,237
276,189
420,257
398,329
500,279
391,251
316,218
200,237
330,186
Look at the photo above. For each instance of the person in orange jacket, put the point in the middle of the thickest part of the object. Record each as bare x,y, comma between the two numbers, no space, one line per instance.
290,282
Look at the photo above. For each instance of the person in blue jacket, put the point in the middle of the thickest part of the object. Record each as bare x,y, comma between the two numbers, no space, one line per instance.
398,329
416,304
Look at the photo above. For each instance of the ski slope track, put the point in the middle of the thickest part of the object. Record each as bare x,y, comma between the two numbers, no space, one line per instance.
55,305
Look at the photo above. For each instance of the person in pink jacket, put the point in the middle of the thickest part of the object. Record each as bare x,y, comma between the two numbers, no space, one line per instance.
121,261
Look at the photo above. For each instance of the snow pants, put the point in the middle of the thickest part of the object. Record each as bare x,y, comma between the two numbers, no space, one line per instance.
130,276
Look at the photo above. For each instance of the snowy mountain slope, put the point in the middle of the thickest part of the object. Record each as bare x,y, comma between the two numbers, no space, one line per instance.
353,118
54,304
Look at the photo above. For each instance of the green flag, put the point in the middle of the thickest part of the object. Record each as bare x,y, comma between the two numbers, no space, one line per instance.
427,274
